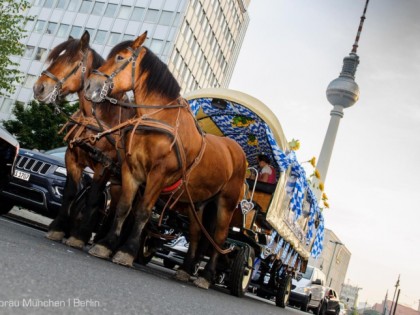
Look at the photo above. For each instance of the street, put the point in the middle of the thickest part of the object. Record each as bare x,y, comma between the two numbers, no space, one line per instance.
38,276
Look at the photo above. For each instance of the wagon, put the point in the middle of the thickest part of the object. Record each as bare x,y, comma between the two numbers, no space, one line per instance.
276,227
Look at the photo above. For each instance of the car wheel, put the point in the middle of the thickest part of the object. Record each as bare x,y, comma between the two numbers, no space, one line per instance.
304,305
5,205
321,309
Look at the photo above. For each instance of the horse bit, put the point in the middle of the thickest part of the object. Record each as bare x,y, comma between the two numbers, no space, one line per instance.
59,83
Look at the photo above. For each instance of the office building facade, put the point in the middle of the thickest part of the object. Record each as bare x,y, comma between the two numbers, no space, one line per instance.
334,261
199,39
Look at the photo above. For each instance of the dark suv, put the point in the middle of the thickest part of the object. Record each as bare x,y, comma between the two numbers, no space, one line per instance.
36,182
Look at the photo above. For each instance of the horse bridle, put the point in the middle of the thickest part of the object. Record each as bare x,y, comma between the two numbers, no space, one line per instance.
109,84
59,83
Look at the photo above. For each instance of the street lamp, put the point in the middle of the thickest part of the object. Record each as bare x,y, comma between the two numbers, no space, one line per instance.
332,258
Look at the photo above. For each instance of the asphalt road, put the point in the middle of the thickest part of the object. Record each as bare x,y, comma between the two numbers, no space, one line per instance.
38,276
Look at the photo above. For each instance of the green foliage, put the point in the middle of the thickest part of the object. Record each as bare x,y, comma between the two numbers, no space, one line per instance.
37,126
12,23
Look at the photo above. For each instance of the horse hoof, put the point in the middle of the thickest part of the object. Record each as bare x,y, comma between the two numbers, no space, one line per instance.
100,251
182,275
202,283
74,242
124,259
56,236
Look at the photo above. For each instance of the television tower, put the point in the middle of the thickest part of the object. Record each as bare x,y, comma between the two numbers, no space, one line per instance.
342,92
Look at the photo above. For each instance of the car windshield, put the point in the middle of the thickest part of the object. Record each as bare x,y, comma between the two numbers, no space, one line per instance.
308,273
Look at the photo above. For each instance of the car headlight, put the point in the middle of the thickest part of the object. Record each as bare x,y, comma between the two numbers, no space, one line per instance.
303,290
61,171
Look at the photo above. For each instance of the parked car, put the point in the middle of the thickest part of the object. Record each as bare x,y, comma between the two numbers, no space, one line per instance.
9,148
301,293
324,301
36,182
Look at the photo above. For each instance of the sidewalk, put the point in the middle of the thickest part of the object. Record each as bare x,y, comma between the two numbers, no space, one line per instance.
29,217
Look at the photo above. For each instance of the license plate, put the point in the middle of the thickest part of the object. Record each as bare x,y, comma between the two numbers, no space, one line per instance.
21,175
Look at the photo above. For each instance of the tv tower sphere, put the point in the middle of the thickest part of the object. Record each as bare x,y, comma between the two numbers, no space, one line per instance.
344,91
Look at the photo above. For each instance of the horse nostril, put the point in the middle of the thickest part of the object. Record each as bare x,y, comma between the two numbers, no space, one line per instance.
38,88
87,86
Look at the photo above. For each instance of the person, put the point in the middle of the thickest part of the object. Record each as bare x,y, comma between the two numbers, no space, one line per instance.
267,172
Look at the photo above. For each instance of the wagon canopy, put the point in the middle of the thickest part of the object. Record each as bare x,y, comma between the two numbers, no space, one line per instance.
255,127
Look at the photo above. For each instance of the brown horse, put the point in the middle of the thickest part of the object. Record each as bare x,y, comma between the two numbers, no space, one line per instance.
70,64
166,146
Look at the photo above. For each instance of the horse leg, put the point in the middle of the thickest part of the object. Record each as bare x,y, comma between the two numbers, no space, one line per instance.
105,247
127,253
224,216
186,269
88,216
61,225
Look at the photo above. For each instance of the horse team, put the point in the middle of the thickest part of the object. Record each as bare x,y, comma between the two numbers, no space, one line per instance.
144,148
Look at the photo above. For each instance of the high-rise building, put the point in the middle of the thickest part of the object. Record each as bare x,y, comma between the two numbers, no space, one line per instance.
199,39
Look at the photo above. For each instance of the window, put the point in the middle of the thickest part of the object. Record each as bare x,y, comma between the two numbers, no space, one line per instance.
51,28
74,5
138,14
63,30
124,12
151,16
38,3
76,31
86,6
41,54
7,105
127,37
39,26
49,4
113,39
91,31
29,51
165,18
29,26
156,46
110,10
98,8
62,4
30,81
100,37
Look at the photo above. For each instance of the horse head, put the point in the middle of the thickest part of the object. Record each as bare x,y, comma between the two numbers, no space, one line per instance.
70,64
116,75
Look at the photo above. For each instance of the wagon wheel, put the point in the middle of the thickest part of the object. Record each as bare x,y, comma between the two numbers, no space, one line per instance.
242,271
146,249
283,291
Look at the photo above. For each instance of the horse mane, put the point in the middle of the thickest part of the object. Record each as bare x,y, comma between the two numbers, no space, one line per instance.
162,81
71,48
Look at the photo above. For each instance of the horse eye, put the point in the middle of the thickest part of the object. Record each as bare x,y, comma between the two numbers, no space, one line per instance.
119,58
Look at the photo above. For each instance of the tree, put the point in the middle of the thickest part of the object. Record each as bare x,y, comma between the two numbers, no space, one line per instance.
37,126
12,23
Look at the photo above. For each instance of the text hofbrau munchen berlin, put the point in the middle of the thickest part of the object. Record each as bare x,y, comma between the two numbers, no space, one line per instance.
49,303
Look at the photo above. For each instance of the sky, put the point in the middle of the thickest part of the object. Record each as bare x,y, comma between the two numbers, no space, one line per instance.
292,50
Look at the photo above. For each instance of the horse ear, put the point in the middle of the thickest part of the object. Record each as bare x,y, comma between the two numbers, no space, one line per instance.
70,37
139,40
84,41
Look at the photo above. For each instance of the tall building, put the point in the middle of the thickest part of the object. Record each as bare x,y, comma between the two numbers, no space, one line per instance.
334,261
200,40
